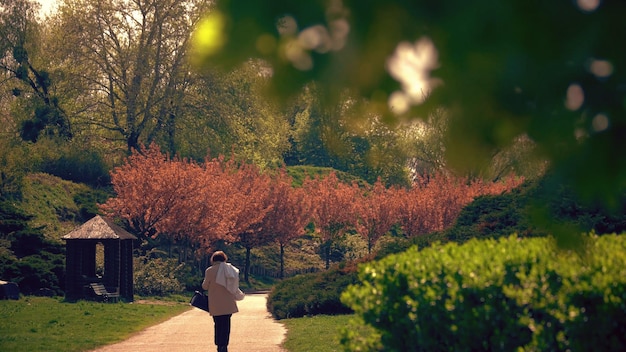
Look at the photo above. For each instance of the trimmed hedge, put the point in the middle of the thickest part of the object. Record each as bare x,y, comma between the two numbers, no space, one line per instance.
507,294
311,294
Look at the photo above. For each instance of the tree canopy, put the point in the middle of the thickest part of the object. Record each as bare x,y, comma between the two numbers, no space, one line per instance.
552,71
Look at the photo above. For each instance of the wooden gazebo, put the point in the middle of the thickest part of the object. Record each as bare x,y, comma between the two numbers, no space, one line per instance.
80,261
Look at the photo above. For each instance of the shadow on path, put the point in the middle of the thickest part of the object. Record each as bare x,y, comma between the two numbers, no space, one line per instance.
253,329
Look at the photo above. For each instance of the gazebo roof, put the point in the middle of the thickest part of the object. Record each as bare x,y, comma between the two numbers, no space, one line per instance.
99,228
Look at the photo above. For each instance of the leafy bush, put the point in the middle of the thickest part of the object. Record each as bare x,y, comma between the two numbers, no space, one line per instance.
80,166
27,258
157,276
311,294
190,277
44,272
87,203
493,217
505,294
34,273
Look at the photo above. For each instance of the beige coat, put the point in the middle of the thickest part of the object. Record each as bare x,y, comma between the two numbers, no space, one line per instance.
221,301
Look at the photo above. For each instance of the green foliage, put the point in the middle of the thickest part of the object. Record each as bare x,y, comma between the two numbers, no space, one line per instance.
36,274
27,257
496,76
157,276
11,169
88,201
326,137
301,172
51,200
536,208
232,117
47,324
41,274
493,217
310,294
79,166
190,277
493,295
49,119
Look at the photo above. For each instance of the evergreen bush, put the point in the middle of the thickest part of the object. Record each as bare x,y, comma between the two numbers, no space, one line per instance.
27,257
311,294
157,276
507,294
80,166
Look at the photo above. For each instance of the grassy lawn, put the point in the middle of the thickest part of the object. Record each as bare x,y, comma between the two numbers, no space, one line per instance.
49,324
318,333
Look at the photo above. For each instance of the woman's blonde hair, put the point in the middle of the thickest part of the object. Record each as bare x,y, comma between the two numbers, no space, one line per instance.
219,256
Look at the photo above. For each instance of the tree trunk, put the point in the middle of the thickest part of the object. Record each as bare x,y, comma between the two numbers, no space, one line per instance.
327,255
282,261
247,266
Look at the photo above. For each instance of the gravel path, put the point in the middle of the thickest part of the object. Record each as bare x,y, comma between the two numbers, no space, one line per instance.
253,329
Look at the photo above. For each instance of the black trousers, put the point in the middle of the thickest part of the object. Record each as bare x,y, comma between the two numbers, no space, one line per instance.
222,329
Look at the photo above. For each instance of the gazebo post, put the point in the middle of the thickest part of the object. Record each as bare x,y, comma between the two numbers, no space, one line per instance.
127,287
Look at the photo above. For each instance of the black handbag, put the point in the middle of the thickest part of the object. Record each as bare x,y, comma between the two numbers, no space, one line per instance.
200,300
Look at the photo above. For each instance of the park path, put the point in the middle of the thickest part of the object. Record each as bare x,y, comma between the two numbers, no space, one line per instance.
252,329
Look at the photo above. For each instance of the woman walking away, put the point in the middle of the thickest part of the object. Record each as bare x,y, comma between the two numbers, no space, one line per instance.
221,279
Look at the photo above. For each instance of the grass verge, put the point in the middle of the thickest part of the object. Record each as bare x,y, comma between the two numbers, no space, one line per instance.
50,324
319,333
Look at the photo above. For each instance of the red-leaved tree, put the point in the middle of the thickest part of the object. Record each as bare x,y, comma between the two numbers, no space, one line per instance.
148,187
290,214
209,214
174,199
376,213
435,201
250,189
332,211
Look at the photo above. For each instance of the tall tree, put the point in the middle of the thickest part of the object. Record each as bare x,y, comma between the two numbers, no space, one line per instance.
290,214
227,113
250,189
21,60
339,138
332,212
148,187
426,140
129,57
376,213
180,200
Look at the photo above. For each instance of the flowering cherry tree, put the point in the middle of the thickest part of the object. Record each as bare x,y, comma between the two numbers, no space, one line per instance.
434,202
376,213
333,210
290,214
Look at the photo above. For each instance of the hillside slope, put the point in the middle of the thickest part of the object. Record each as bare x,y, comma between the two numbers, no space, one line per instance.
57,204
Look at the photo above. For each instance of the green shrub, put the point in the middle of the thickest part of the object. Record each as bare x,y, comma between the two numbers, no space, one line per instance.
311,294
505,294
190,277
157,276
27,257
44,272
87,203
80,166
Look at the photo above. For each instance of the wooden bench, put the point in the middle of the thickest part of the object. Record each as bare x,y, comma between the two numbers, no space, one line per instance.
100,293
